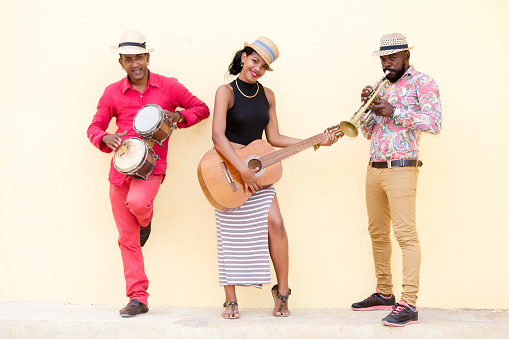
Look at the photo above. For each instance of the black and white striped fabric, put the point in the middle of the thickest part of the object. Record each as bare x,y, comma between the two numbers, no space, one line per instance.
243,241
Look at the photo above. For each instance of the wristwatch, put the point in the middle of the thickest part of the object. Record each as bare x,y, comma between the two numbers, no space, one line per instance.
394,114
181,117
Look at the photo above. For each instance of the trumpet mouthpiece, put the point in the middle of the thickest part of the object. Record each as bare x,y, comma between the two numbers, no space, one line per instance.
387,72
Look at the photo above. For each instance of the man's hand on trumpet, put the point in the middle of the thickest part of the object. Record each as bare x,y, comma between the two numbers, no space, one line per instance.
366,91
381,107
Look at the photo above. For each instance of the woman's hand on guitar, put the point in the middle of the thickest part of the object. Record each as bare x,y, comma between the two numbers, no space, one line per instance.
250,180
330,138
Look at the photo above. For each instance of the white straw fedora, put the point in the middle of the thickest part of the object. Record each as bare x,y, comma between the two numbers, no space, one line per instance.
131,42
266,48
392,43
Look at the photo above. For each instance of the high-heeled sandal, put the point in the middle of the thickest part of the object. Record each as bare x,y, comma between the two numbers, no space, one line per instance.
276,295
233,304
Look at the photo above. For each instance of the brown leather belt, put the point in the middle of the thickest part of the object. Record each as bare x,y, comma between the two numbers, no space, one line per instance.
396,163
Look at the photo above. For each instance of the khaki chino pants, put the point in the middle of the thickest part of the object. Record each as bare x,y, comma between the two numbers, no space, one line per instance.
391,195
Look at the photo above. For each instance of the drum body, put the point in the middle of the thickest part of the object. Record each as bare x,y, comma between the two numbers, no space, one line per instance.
150,122
135,158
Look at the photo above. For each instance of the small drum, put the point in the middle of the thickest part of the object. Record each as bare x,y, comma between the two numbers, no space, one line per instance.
150,122
134,157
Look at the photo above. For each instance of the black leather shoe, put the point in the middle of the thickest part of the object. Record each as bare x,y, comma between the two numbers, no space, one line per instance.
144,234
133,308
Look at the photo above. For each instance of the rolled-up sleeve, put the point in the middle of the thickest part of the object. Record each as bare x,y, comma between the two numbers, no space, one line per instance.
194,111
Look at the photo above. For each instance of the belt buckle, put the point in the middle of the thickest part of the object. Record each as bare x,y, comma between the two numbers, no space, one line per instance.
401,163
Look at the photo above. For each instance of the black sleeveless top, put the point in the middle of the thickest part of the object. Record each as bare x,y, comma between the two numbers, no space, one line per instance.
248,117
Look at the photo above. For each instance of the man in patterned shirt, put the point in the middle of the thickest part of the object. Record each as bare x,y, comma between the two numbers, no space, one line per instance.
409,104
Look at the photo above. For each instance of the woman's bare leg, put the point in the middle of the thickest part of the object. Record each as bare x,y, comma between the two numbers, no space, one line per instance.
278,248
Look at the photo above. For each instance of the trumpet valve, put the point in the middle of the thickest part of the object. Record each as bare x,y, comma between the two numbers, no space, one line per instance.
368,116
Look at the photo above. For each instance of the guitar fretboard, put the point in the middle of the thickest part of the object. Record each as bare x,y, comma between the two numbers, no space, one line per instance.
288,151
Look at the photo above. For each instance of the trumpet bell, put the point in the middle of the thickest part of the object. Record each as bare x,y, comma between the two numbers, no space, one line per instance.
363,114
348,128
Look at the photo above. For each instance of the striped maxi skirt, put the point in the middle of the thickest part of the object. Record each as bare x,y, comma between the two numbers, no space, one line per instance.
243,241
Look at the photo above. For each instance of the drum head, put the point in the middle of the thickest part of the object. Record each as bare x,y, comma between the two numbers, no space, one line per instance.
148,119
129,155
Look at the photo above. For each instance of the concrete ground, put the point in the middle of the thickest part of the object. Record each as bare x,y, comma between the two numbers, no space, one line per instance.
39,320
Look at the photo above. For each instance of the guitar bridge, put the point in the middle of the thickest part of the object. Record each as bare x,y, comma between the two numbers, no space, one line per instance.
229,177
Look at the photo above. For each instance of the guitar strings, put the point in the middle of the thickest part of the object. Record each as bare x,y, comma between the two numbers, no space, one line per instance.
274,157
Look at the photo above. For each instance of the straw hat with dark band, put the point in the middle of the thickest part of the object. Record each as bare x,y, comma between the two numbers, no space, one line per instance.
392,43
131,42
266,49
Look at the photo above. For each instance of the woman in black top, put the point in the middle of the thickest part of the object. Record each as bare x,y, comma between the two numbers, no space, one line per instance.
243,109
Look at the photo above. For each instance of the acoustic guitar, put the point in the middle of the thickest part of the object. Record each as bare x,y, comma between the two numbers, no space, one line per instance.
222,184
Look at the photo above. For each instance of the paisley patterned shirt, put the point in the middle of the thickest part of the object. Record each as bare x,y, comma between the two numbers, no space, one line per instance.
418,109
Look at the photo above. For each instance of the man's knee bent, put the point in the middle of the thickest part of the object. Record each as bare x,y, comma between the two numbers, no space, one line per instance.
139,207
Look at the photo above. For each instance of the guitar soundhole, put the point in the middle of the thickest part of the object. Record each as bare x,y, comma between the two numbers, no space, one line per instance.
253,162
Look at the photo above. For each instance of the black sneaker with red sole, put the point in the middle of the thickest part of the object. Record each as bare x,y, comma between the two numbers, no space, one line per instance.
375,302
402,315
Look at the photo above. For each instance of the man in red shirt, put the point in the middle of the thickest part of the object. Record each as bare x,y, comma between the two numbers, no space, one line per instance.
132,198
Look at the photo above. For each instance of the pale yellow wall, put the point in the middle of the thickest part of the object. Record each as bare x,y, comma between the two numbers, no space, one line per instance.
58,239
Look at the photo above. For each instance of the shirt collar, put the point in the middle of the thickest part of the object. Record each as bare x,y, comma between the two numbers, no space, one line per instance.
153,80
409,72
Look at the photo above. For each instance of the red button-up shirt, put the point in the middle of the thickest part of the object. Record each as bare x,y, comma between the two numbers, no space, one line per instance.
121,101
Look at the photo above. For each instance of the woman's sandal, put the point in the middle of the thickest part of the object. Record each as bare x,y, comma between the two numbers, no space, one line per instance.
283,298
233,304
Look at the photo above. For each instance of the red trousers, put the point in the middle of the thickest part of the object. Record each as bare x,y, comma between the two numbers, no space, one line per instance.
132,207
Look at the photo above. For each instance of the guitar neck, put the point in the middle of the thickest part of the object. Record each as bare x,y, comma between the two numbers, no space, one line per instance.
288,151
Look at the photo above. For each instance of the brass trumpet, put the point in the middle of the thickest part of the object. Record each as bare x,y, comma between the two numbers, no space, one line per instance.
349,127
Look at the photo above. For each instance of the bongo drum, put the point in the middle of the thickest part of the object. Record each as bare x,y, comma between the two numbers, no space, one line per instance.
134,157
151,123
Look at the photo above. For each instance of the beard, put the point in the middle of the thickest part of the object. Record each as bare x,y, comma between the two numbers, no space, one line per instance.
397,76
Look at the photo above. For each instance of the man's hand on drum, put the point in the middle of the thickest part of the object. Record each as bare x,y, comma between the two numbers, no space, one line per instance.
113,140
173,116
